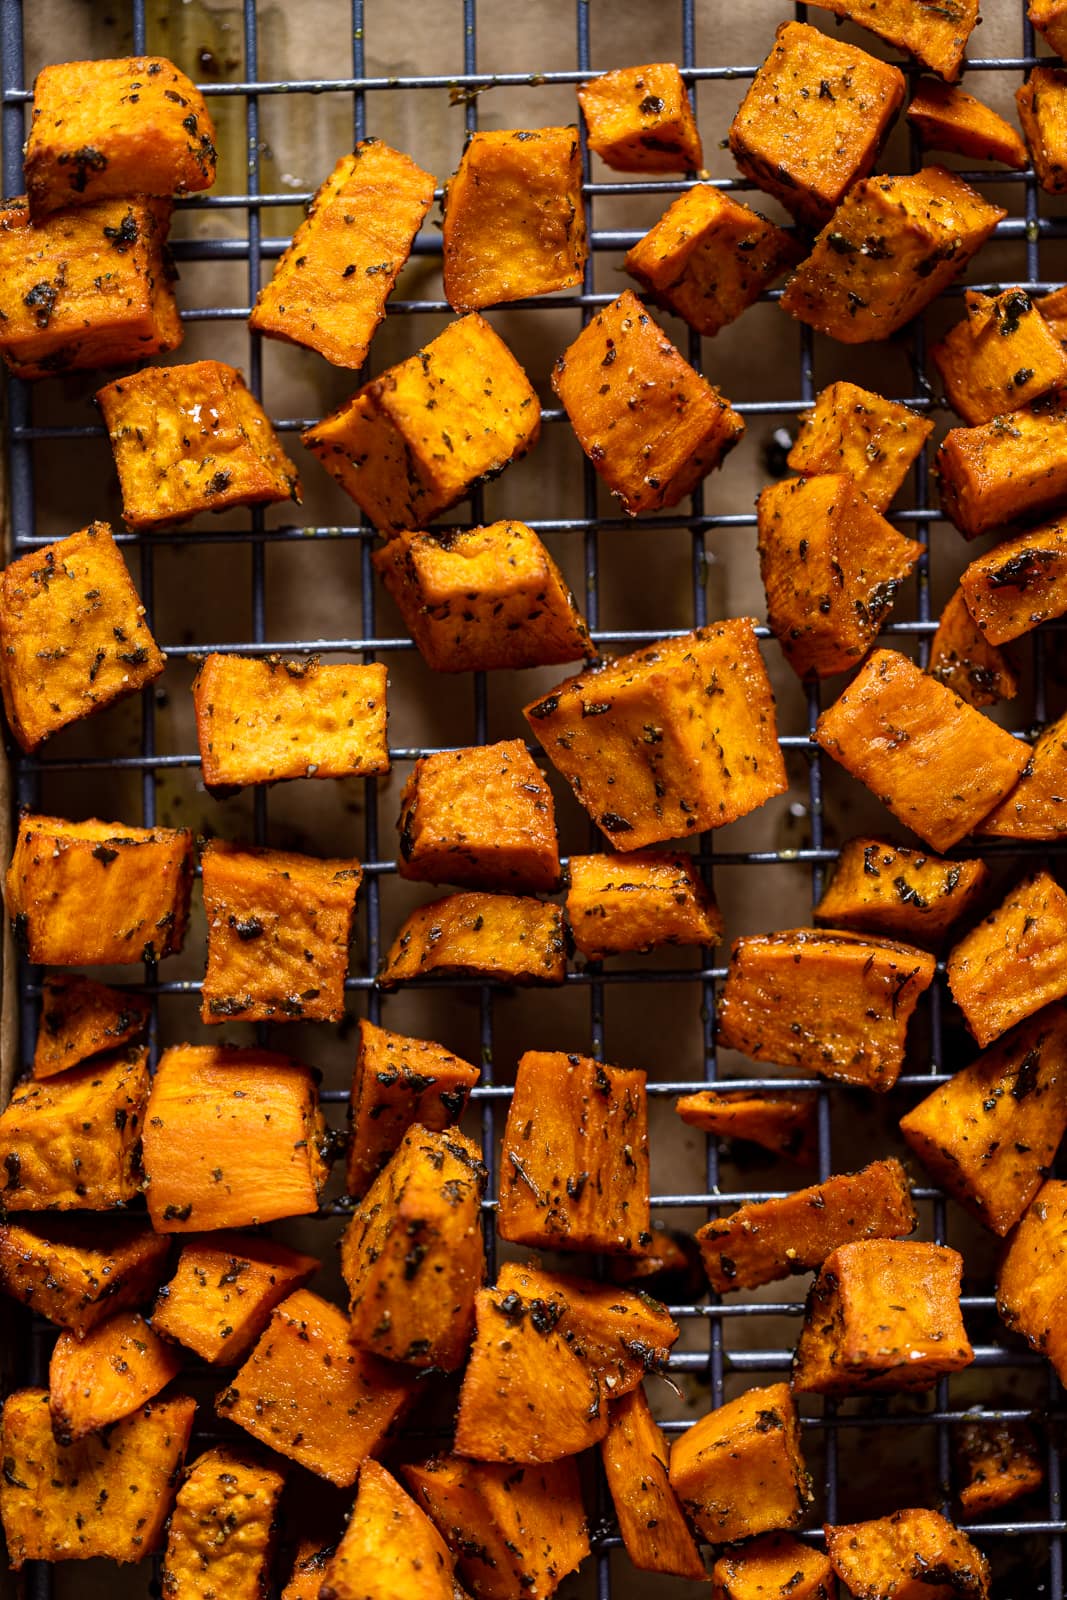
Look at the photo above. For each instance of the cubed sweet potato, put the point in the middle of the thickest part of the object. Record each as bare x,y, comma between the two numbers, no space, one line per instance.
831,566
1037,807
652,426
262,719
390,1549
906,894
232,1138
192,439
654,1531
309,1568
76,1270
853,430
639,119
783,1124
739,1471
501,938
1049,17
962,658
947,118
936,762
133,125
997,1463
882,1314
1019,584
477,599
912,1555
279,926
679,737
828,1002
329,289
107,1495
220,1537
928,225
1000,357
1042,103
223,1291
814,119
1015,960
93,893
311,1395
1032,1281
639,901
109,1373
81,1018
419,437
773,1567
1007,470
935,35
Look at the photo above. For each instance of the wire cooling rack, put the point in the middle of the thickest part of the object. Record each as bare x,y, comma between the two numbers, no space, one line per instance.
905,1443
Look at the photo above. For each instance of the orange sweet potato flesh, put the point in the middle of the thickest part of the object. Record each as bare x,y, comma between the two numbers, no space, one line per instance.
962,658
221,1534
1032,1281
773,1567
480,937
901,1554
935,35
782,1124
1002,356
653,1528
948,118
1050,18
76,1270
739,1470
1042,104
639,901
390,1549
1019,584
898,892
309,1567
1037,807
1014,962
996,1463
640,120
853,430
938,764
1009,470
223,1292
81,1018
107,1375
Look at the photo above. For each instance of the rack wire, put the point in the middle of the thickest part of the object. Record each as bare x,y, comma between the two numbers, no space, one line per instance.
928,1427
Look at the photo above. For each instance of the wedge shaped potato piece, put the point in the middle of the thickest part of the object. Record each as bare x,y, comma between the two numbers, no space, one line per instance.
390,1549
739,1471
1019,584
1042,103
224,1289
774,1567
1008,470
852,430
1014,962
1000,357
221,1534
639,119
108,1374
962,658
639,901
503,938
653,1527
948,118
901,893
997,1463
1032,1280
912,1555
81,1018
1037,807
77,1270
935,35
1049,17
783,1124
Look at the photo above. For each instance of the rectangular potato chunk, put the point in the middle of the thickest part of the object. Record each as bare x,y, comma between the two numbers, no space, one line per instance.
224,1289
1015,961
1032,1280
76,1270
1037,807
1007,470
906,894
997,1463
1042,103
739,1471
221,1533
81,1018
390,1549
654,1531
962,658
262,719
912,1555
774,1567
1019,584
109,1373
853,430
639,901
482,938
783,1124
1000,357
938,764
639,119
947,118
935,35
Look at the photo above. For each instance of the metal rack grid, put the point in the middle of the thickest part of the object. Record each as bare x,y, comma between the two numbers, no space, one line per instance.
1028,230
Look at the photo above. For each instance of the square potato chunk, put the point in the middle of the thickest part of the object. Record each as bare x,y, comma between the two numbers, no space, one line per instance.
1037,807
81,1018
947,118
739,1471
1042,103
996,1464
1007,470
773,1567
639,901
906,894
912,1555
220,1537
852,430
1015,961
1019,584
639,120
962,658
1000,357
78,1270
1032,1281
483,938
224,1289
935,35
107,1374
73,636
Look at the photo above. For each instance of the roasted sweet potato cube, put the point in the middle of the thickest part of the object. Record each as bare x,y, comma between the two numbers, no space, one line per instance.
709,257
501,938
1015,960
221,1533
639,901
652,426
928,225
476,599
907,894
962,658
482,816
73,1143
309,1568
828,1002
261,719
739,1470
232,1138
1008,470
853,430
639,119
109,1373
311,1395
412,1254
935,35
831,566
773,1567
1037,807
813,120
192,439
107,1495
390,1549
912,1555
882,1314
1032,1281
947,118
783,1124
759,1243
679,737
938,764
76,1271
81,1018
574,1168
94,893
1000,357
89,287
1042,103
279,926
134,125
1049,17
997,1463
1019,584
654,1531
419,437
224,1289
329,289
1053,307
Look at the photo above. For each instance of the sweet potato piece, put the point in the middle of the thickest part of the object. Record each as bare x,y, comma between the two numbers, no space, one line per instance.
329,289
831,565
1037,807
907,894
192,439
221,1533
107,1495
813,120
912,1555
759,1243
73,1143
828,1002
774,1567
652,427
76,1271
853,430
739,1470
412,1255
882,1314
1008,470
962,658
259,720
390,1549
1042,103
279,926
502,938
1049,17
1019,584
94,893
477,599
574,1166
935,35
709,257
224,1289
81,1018
678,737
997,1463
308,1393
309,1568
782,1124
947,118
90,287
638,902
1000,357
134,125
1053,307
106,1375
654,1530
1032,1281
938,764
928,225
639,120
232,1138
1014,962
419,437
